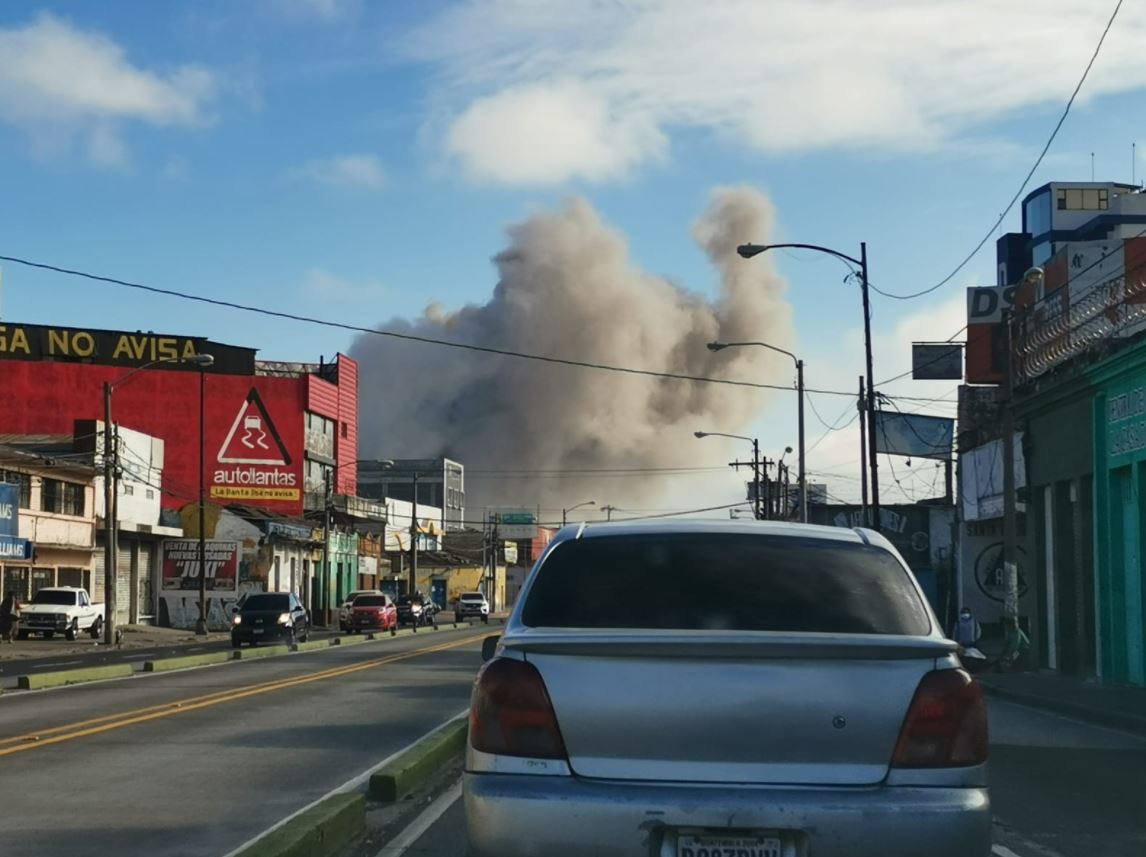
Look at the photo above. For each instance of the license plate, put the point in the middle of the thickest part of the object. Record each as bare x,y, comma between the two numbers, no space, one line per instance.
258,631
729,846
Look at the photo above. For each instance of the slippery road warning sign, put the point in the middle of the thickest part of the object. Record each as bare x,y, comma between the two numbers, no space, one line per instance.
253,438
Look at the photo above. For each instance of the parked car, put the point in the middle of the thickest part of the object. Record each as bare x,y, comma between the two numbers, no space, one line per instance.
66,610
469,605
373,613
416,610
344,607
270,617
784,689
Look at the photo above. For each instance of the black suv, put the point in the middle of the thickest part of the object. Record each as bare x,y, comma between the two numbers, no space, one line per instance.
270,616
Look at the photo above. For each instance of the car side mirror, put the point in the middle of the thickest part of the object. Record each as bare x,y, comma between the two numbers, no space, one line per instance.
489,647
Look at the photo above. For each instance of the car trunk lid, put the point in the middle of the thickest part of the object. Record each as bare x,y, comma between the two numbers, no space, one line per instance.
744,707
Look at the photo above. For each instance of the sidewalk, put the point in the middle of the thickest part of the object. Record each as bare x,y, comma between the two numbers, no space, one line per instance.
1120,706
134,637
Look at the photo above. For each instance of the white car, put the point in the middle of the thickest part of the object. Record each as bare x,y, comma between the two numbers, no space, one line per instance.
471,604
66,610
345,608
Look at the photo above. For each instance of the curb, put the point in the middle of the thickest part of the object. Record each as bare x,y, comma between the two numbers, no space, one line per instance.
312,645
264,652
39,681
1097,716
419,763
321,830
186,662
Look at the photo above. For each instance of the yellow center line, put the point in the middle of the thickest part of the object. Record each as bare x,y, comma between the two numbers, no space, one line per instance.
119,720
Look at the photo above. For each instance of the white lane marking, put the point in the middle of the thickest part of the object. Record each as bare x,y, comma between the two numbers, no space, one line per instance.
349,785
59,663
1003,851
414,831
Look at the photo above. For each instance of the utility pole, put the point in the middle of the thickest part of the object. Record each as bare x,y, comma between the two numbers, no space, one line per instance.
759,504
1010,529
873,465
201,625
863,449
109,522
608,510
802,476
414,540
324,580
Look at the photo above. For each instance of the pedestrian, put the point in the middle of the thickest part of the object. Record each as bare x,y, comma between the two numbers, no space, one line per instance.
9,617
967,630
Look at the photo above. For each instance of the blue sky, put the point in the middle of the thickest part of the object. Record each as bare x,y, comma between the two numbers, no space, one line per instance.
359,160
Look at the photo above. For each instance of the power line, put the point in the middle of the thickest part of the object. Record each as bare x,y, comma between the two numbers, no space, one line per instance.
410,337
1030,173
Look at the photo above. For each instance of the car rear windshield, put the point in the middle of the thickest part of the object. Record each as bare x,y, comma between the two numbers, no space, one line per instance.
370,601
48,596
713,581
267,602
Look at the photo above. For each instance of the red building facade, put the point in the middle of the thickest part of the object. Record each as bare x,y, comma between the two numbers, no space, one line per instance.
272,431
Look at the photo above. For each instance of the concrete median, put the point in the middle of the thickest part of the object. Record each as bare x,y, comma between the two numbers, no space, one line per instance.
186,662
419,763
324,829
260,652
312,645
39,681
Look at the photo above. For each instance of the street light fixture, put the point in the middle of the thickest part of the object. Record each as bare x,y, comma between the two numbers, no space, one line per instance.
747,251
565,512
802,477
756,505
111,487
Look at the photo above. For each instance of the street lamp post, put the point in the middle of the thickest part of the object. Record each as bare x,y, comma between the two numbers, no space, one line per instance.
747,251
802,477
201,625
757,505
111,490
565,512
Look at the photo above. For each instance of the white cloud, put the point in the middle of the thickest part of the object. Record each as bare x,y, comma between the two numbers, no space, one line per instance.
361,172
320,285
525,80
58,83
550,133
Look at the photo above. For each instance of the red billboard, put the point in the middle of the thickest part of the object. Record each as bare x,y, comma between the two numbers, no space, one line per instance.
254,425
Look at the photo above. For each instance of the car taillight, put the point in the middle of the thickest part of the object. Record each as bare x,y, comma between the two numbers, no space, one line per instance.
511,713
946,725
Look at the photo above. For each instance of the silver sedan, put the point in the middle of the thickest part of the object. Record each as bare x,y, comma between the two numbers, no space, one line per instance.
783,690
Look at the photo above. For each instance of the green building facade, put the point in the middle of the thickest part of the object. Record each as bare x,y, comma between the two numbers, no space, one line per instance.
1119,414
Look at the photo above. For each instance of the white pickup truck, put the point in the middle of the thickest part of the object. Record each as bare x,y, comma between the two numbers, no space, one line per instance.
66,610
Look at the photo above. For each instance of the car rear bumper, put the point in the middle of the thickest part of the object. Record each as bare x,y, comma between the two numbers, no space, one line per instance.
509,814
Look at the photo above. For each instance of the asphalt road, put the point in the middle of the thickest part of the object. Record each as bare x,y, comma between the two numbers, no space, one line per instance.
1060,788
116,768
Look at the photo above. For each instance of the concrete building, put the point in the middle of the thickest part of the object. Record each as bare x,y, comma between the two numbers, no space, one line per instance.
441,484
56,520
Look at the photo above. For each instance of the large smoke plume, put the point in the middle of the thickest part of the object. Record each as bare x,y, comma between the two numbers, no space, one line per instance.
566,287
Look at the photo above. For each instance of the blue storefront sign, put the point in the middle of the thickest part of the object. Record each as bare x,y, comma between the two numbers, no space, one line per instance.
11,545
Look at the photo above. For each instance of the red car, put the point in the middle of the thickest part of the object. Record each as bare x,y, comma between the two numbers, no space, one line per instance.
373,613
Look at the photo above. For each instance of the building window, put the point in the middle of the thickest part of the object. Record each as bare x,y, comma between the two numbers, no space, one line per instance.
129,490
345,430
62,498
24,483
1083,199
150,494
